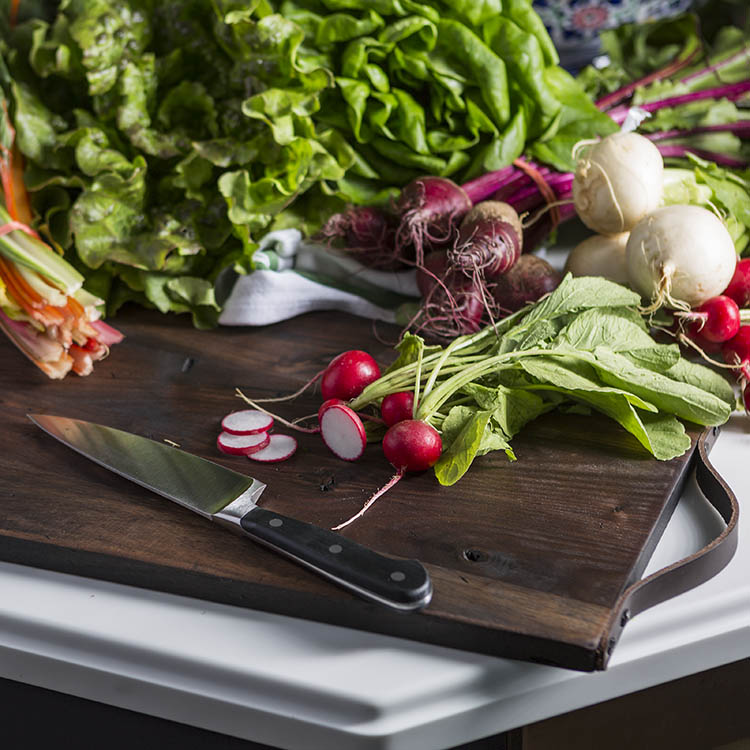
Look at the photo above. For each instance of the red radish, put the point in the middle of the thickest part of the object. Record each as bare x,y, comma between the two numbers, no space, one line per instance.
489,240
348,375
736,351
247,422
739,287
717,319
239,445
279,448
746,398
709,347
396,407
326,404
528,280
430,208
412,445
343,432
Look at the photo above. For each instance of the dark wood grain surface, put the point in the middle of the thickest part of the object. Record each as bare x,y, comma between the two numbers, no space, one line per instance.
527,558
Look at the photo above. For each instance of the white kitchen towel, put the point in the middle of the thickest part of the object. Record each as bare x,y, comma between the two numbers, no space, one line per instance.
293,277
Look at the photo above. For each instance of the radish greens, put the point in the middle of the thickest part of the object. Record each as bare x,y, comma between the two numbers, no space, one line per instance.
583,346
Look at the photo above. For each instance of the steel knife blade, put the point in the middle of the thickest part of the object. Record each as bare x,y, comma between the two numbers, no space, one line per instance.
230,498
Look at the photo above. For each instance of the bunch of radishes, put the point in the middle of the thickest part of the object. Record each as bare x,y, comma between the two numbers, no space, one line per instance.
409,444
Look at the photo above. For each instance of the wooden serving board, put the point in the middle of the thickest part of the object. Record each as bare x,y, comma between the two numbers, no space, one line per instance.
527,559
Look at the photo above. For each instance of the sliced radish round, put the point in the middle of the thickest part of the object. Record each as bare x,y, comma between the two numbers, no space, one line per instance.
343,432
328,404
246,422
279,448
242,444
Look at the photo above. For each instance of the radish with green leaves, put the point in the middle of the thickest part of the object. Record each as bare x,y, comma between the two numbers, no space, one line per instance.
348,374
680,256
739,286
396,407
716,320
410,446
618,181
736,352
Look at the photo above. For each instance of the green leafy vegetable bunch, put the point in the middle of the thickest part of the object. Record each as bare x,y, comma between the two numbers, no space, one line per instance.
161,137
583,347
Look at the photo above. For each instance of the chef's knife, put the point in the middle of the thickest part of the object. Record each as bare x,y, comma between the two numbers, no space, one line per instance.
230,498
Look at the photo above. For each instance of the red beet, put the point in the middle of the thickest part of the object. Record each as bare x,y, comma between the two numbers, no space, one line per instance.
528,280
489,241
430,209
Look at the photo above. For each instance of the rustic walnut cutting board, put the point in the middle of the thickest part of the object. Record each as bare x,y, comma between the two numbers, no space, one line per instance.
527,559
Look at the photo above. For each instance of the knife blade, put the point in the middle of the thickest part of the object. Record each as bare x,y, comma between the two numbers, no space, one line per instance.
230,498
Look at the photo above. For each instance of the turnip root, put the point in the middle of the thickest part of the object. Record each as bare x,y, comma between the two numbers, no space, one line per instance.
601,255
680,256
617,182
489,240
528,280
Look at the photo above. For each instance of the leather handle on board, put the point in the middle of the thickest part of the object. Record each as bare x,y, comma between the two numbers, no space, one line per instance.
689,572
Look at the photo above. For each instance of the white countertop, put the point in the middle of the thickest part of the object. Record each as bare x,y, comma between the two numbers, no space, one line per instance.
297,684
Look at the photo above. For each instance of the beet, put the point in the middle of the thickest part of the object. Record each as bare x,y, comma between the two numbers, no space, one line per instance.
366,232
528,280
489,240
430,209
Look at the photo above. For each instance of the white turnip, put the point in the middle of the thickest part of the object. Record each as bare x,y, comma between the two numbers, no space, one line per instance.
601,255
680,256
617,182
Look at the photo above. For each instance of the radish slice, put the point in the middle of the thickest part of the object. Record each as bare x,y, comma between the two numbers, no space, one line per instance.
343,432
279,448
238,445
246,422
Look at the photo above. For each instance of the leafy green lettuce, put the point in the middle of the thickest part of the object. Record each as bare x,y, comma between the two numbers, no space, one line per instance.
163,137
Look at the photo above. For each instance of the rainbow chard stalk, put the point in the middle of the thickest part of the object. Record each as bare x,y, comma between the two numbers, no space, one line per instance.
44,309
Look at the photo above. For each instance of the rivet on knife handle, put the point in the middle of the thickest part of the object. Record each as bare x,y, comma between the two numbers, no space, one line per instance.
401,584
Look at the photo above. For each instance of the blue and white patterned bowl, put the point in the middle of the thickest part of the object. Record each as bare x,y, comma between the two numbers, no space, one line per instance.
574,25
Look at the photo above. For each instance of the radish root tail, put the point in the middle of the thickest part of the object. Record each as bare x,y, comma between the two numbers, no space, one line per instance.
294,395
291,425
387,486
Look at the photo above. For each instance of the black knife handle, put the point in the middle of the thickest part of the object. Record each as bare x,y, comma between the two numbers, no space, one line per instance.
402,584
